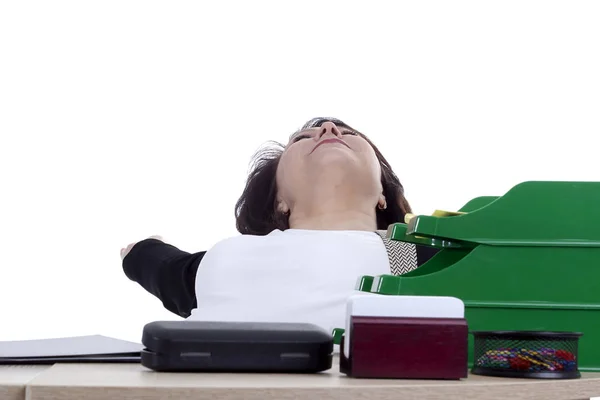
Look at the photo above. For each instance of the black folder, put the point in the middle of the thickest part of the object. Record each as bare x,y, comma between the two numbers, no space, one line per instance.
80,349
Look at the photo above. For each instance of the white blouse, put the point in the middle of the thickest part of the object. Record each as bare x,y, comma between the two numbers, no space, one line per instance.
294,275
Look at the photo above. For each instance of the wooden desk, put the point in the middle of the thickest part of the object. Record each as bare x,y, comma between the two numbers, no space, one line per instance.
132,381
14,379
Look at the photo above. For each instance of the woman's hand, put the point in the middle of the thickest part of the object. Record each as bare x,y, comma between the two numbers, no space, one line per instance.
126,250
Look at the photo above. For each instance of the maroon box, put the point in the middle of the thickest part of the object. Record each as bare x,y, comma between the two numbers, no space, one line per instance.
406,348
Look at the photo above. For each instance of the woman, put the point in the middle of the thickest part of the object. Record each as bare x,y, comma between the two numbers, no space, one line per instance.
307,216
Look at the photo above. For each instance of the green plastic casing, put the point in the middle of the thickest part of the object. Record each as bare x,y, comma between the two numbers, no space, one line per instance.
528,260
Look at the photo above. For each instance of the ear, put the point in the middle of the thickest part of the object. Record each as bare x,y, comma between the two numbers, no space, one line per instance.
282,207
382,203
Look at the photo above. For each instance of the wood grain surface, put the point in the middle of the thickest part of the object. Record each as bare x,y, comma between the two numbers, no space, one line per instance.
132,381
14,378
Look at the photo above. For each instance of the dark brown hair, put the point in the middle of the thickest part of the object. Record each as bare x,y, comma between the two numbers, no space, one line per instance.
256,210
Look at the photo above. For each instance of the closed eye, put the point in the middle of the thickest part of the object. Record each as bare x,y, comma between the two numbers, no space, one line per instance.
300,137
305,136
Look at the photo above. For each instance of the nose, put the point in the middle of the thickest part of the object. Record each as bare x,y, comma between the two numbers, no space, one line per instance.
329,127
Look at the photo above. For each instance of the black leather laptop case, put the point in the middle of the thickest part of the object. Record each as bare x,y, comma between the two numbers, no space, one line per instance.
197,346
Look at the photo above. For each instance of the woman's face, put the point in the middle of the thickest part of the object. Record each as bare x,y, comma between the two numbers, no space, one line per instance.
327,155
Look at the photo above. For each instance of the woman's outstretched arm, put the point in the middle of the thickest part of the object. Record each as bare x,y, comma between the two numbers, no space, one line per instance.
166,272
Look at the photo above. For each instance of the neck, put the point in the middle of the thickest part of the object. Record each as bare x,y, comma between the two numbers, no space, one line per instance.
337,220
331,211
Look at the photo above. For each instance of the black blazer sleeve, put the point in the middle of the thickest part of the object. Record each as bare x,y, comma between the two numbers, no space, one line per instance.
166,272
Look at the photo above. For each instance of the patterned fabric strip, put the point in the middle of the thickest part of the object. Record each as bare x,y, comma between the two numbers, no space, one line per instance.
402,255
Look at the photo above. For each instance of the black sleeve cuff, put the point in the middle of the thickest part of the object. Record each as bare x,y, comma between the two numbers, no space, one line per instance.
166,272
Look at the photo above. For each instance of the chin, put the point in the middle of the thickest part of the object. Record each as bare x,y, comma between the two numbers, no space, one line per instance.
334,156
338,160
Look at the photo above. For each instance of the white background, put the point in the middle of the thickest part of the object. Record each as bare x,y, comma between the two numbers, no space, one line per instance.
124,119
